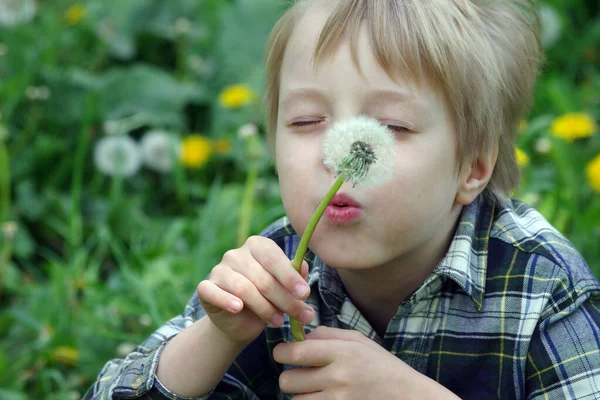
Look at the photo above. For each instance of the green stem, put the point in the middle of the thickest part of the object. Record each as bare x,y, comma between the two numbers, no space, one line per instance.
247,203
297,328
4,183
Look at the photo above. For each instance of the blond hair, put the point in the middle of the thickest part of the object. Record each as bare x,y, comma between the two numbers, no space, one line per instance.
482,56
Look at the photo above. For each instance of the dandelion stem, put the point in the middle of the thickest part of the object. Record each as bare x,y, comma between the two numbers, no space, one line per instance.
4,183
297,328
247,205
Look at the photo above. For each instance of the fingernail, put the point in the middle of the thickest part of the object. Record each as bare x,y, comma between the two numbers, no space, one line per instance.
235,305
277,319
306,316
300,290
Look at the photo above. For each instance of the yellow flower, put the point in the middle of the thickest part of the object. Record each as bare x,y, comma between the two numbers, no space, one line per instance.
236,96
66,355
75,13
573,126
593,173
221,146
522,158
195,151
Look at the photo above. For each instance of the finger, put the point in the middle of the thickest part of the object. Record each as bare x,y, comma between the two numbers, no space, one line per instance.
326,333
276,294
211,294
304,270
308,353
238,285
303,380
274,260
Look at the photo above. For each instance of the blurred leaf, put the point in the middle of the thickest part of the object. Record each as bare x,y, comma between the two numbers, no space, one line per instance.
28,201
150,93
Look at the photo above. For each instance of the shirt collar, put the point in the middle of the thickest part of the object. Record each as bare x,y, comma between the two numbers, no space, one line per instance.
465,262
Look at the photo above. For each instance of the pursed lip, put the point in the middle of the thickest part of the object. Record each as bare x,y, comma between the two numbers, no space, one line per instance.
343,209
344,200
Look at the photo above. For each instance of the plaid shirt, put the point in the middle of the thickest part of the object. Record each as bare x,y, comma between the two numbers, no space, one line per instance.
512,311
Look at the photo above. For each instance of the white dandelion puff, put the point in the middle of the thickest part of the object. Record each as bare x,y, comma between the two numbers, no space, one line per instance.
16,12
543,145
247,130
125,349
360,150
117,156
551,27
159,150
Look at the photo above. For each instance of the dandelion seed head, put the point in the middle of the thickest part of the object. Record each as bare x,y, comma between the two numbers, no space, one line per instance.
361,150
160,150
16,12
117,156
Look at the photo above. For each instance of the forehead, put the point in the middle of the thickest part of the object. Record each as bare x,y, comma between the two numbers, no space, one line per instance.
301,70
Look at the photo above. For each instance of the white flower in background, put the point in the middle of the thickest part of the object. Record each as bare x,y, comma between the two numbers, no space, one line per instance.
543,145
160,150
551,25
360,150
111,127
200,65
145,320
3,49
125,348
183,26
117,156
247,130
38,93
16,12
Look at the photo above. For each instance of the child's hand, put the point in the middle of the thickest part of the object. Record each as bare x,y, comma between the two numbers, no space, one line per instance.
347,365
261,279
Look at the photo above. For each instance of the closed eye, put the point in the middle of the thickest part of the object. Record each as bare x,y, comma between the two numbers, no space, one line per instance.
399,128
306,122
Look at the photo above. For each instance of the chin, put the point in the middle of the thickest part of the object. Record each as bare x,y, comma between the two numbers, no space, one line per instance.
340,259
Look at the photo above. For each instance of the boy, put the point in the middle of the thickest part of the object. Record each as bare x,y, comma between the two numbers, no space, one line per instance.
441,286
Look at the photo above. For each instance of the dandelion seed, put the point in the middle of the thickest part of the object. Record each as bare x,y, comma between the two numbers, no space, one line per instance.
37,93
117,156
16,12
124,349
9,230
145,320
247,130
159,150
551,27
543,145
183,26
112,127
361,150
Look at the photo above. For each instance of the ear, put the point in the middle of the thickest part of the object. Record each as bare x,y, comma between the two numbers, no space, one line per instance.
475,177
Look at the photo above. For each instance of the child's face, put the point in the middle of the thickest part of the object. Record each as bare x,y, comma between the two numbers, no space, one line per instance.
403,219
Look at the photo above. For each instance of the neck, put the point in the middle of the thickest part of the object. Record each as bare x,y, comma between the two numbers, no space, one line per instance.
377,292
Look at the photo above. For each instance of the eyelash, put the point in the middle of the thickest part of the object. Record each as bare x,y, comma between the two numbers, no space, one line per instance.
393,128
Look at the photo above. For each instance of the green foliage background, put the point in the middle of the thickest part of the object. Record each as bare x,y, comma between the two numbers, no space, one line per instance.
97,263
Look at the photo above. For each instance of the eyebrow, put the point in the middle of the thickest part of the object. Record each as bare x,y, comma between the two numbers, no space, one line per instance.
302,93
373,96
